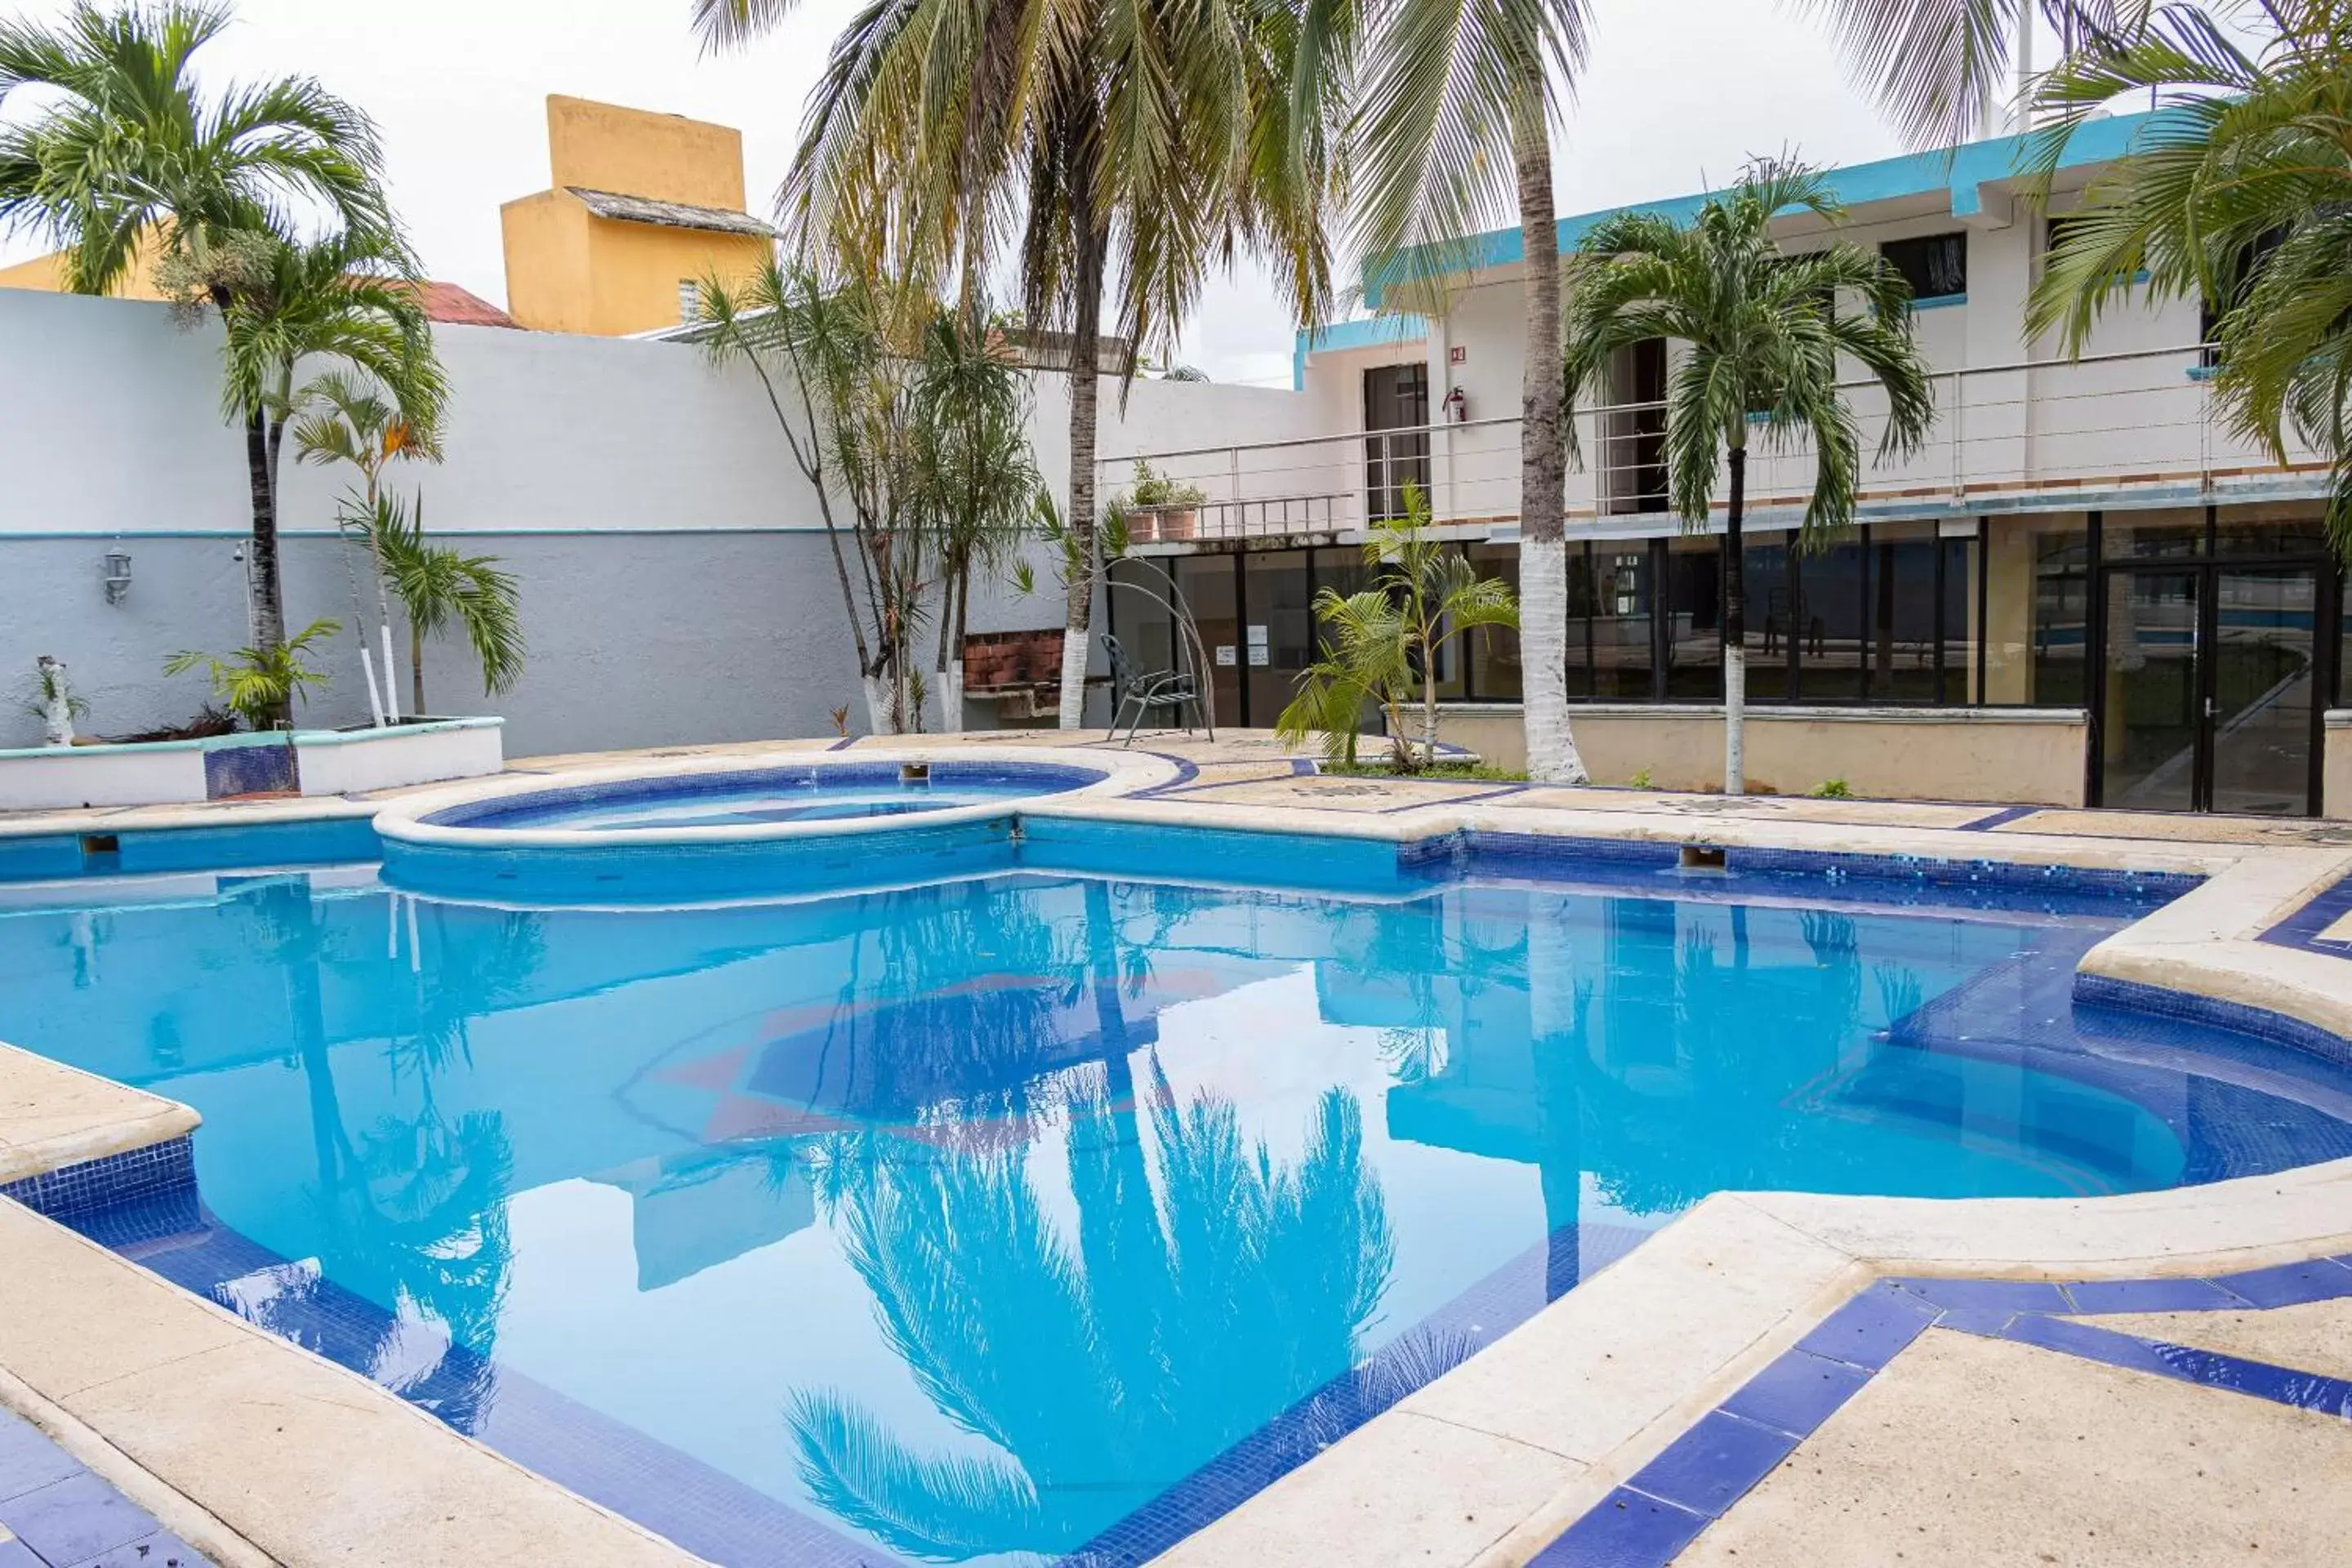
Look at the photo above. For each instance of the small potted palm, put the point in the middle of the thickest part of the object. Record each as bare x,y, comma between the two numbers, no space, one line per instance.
1170,507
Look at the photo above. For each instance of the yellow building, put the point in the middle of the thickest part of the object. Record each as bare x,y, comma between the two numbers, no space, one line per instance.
48,275
641,207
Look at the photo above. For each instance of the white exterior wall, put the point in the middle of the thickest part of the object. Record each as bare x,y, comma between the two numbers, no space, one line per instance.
2013,423
394,759
675,581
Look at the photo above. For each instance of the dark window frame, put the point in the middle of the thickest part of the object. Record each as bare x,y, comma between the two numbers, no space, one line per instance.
1917,257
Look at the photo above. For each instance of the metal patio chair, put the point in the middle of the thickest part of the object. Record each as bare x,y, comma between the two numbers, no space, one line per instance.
1144,690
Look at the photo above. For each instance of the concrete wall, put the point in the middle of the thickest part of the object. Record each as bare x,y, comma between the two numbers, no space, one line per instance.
2336,783
639,153
676,582
2032,757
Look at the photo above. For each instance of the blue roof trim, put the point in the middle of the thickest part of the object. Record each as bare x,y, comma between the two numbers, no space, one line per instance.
1365,332
1957,170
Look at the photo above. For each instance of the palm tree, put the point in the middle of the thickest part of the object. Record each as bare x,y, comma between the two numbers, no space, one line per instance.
437,585
2240,193
132,153
350,297
1941,69
1387,637
1117,148
1762,337
979,478
1452,134
345,418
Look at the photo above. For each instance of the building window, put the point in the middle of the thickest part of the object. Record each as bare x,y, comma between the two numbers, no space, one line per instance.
689,302
2240,275
1934,265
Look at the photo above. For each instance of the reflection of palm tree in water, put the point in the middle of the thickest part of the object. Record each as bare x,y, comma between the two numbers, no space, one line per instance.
412,1213
1105,1366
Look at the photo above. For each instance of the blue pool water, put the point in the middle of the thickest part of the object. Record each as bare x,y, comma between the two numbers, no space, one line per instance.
1042,1214
808,793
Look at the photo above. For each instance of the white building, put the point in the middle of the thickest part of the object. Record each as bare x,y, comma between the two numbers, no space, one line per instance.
2084,589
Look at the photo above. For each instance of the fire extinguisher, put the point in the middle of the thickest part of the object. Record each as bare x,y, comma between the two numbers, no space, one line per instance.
1457,408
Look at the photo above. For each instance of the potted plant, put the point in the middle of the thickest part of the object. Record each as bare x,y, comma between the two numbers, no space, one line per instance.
1170,503
54,703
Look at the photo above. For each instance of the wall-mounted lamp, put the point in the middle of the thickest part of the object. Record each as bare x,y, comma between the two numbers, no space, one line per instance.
117,574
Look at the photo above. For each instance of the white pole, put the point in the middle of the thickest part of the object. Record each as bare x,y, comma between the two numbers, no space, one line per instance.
2021,111
367,668
391,689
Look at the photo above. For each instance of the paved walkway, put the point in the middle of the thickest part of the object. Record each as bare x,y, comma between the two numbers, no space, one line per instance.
1984,1424
56,1513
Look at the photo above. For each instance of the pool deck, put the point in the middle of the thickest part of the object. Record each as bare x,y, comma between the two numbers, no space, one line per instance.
1774,1379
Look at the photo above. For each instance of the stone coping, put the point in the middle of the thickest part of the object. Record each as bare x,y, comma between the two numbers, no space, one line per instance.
249,738
410,821
300,1462
53,1116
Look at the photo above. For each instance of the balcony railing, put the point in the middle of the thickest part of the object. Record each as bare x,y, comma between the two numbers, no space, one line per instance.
2034,434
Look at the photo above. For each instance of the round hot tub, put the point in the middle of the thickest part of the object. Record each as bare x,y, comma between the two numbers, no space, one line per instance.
700,828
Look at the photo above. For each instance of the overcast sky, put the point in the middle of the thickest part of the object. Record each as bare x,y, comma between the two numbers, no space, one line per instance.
1678,93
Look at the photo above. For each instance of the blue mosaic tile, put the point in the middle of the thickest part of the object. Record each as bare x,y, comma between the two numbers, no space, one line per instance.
1710,1467
1988,1295
2188,1363
1624,1530
28,1460
2094,1297
75,1520
2290,1284
264,766
2211,1013
101,1183
2301,929
1870,1329
1796,1393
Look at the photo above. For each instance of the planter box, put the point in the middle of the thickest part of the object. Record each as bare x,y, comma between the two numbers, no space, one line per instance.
304,762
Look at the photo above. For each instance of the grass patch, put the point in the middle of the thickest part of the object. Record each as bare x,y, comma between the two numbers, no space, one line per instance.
1450,771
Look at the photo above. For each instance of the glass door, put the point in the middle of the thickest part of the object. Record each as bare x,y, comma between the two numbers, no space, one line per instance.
2264,685
2154,689
1396,444
2211,689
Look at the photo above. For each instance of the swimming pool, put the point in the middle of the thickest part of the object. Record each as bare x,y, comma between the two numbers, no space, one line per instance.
1048,1210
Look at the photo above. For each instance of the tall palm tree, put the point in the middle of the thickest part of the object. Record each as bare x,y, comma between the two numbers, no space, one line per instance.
282,303
1115,149
1452,135
1761,335
2240,194
131,152
1943,69
437,586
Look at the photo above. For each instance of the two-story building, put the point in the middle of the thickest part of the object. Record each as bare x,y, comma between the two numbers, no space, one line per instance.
2084,589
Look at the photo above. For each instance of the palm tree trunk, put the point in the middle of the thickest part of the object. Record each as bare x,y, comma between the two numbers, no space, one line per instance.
269,594
416,667
1085,352
951,636
1734,632
1543,463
